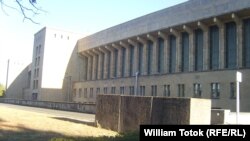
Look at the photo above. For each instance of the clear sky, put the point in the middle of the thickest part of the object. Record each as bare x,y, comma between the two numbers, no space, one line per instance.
83,16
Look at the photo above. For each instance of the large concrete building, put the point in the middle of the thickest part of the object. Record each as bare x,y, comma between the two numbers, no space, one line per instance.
43,78
193,49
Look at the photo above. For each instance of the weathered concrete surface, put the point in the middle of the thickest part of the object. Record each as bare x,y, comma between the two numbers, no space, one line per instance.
107,114
126,113
171,110
75,107
134,111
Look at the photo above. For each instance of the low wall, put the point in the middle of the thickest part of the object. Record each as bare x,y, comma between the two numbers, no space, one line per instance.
74,107
127,113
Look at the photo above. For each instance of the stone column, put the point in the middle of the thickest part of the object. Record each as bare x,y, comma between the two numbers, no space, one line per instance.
155,54
144,63
127,58
205,30
166,51
136,54
221,43
119,59
191,46
112,62
178,49
239,39
100,62
94,69
105,61
89,66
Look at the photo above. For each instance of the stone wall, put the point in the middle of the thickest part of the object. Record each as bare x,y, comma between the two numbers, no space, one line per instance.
74,107
126,113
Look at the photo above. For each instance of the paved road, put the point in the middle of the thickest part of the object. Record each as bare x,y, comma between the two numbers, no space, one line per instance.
63,115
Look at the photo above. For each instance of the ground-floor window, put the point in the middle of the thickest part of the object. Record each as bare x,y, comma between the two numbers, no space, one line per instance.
215,90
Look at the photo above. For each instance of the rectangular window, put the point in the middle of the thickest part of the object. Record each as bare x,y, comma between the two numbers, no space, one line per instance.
109,64
172,53
142,90
160,55
131,60
98,91
34,84
149,57
105,90
96,66
246,43
123,61
153,90
38,61
116,62
232,90
166,90
185,52
131,90
197,90
102,65
91,93
140,59
181,90
122,90
74,93
112,90
85,93
231,46
215,90
214,47
198,50
80,93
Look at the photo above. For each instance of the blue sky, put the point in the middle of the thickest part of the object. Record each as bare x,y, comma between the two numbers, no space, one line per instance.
83,16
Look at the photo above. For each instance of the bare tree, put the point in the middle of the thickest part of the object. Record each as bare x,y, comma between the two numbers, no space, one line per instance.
26,10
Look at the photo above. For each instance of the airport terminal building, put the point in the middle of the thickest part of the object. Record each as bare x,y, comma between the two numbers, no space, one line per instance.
193,49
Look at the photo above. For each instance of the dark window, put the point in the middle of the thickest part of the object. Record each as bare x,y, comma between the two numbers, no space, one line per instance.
215,90
160,55
102,66
131,60
232,90
80,93
142,90
105,90
166,90
198,50
112,90
246,47
172,54
149,56
122,90
197,90
181,90
109,64
85,93
231,49
214,47
185,52
123,61
96,66
131,90
140,59
116,62
98,91
91,93
153,90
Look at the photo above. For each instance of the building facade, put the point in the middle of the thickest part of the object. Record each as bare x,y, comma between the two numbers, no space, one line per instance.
193,49
43,78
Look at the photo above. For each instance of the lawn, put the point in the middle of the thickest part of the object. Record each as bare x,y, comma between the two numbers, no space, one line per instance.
20,125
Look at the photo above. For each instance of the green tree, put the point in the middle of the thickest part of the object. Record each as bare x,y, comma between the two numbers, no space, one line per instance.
2,90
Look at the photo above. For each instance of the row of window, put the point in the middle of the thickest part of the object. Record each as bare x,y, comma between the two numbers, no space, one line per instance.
37,61
38,50
197,91
35,84
36,72
55,35
213,58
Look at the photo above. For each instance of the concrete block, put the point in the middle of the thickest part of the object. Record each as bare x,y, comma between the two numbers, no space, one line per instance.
107,111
